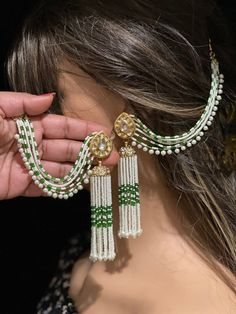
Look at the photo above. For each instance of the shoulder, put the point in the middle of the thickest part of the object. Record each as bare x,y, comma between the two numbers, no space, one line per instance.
208,296
199,288
79,273
56,296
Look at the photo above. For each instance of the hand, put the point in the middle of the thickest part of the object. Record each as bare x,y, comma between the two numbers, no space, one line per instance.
59,139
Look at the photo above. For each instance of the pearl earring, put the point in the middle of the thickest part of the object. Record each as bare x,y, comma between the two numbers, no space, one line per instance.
132,130
98,146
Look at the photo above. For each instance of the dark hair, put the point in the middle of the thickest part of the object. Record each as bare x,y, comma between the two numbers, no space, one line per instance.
155,55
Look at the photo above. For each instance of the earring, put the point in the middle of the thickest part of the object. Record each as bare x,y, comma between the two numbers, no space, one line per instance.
129,198
130,128
102,242
96,145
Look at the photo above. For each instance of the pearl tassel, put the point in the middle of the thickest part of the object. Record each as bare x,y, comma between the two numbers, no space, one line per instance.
102,239
129,201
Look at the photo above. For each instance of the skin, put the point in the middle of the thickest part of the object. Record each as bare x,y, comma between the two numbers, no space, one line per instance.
160,272
59,140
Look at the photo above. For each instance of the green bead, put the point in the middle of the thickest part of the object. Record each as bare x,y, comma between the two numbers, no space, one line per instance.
27,155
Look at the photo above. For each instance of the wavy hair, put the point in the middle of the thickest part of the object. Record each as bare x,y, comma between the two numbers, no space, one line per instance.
155,55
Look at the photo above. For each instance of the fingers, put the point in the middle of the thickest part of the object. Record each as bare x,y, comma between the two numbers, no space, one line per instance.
112,159
68,151
55,126
59,170
60,150
58,127
15,104
56,169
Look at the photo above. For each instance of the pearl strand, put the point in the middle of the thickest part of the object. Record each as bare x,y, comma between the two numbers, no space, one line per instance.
148,141
59,187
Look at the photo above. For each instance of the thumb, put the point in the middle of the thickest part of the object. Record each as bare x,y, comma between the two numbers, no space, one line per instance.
14,104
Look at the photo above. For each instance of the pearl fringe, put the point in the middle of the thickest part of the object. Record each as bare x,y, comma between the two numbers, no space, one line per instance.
129,204
102,239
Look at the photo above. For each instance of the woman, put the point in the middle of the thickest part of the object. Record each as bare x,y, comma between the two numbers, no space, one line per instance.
150,58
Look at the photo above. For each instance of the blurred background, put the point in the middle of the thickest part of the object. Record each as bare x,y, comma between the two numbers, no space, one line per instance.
34,230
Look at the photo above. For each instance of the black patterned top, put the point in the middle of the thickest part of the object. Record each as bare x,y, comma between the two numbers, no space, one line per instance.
56,299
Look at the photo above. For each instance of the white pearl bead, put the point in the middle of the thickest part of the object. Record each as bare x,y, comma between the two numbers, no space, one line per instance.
86,180
80,187
177,151
163,152
66,196
21,150
205,128
19,145
49,193
36,182
145,148
221,81
75,191
209,123
194,142
25,159
17,136
54,195
220,91
201,133
169,152
221,76
198,138
211,118
45,190
89,172
183,147
213,113
21,141
139,146
157,152
133,143
151,151
215,108
220,86
31,173
34,178
40,185
218,97
189,144
71,194
60,196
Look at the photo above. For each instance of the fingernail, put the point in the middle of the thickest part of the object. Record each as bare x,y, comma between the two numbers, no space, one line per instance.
49,94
